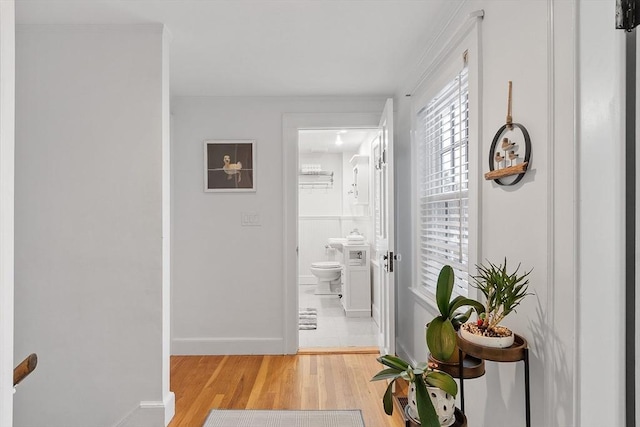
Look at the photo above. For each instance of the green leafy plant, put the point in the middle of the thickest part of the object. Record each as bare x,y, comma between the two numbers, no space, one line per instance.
421,375
503,292
441,331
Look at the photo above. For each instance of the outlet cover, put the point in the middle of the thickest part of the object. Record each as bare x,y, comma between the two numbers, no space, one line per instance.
249,219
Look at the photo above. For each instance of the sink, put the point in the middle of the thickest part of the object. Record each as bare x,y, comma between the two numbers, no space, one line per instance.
337,242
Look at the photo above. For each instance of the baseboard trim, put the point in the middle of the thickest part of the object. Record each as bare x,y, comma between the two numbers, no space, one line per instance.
338,350
151,413
223,346
307,280
358,312
375,313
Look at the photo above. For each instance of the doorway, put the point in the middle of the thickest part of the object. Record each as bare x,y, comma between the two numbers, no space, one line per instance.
335,190
382,250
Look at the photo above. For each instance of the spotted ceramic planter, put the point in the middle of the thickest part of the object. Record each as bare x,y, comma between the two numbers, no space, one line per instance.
443,402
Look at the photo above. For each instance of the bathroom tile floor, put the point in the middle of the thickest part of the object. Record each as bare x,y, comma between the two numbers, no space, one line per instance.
334,328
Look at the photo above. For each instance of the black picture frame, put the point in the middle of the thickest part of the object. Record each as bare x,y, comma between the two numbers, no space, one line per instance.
229,165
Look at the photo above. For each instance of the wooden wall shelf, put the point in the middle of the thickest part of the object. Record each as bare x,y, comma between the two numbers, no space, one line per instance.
508,171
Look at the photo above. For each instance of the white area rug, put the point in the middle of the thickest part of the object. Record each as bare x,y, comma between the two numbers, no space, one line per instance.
258,418
308,319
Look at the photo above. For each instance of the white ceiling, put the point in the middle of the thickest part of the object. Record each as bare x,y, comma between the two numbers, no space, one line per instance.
271,47
324,141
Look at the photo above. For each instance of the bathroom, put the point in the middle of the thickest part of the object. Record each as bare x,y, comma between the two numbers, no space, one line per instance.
335,226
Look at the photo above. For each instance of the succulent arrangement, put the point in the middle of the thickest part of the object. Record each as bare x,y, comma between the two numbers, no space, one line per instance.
502,291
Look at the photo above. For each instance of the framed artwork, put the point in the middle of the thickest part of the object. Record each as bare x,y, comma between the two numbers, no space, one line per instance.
229,165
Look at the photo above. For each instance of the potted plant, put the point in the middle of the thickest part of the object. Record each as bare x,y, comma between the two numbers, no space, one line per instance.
431,392
442,330
503,292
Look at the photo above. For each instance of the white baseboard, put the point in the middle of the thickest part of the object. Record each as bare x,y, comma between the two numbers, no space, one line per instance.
151,413
358,313
375,313
222,346
307,280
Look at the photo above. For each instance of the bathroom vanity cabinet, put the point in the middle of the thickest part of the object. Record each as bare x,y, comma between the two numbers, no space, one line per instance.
356,280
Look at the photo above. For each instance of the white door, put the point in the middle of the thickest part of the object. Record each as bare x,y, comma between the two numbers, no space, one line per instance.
384,250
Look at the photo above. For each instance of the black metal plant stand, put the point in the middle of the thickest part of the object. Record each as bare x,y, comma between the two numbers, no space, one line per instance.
517,352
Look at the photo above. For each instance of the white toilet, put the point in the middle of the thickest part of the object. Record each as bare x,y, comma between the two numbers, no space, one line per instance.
329,274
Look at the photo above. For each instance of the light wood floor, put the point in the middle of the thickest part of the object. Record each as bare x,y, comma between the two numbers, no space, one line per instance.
303,381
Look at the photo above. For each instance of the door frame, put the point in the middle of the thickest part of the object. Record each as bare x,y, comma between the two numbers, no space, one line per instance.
291,124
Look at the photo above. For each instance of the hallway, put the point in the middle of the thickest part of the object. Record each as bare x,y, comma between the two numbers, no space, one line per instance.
335,381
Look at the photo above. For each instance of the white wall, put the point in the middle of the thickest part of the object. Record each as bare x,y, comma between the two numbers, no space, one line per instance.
221,269
7,147
91,119
532,44
321,201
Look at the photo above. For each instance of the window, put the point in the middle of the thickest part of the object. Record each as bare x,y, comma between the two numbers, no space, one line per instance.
443,184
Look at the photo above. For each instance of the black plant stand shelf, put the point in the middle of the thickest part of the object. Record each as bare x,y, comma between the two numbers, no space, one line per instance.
409,421
517,352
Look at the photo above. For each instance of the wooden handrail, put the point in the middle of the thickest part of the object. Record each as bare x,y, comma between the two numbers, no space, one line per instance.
25,368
